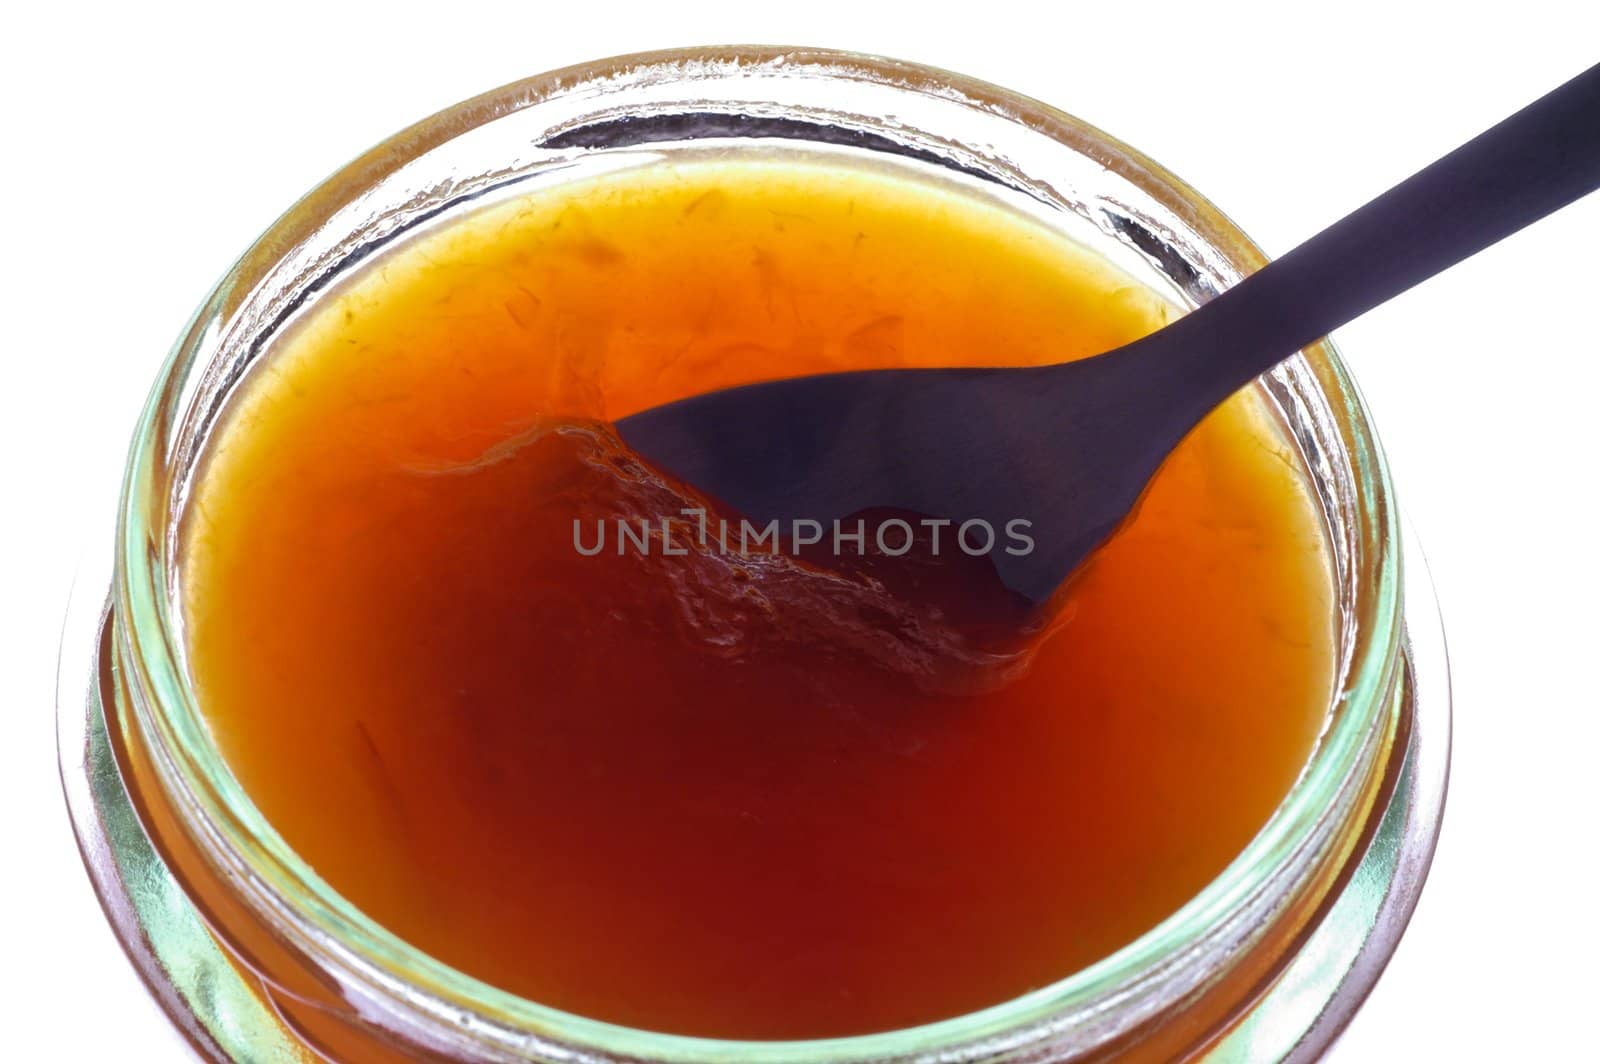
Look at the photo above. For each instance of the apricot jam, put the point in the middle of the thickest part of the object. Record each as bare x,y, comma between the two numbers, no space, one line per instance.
707,794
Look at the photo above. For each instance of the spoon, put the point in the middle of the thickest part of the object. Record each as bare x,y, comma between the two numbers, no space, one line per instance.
1069,448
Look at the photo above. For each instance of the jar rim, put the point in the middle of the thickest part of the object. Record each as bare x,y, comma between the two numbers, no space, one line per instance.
229,826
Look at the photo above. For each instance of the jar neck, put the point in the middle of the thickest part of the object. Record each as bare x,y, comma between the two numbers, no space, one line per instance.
316,953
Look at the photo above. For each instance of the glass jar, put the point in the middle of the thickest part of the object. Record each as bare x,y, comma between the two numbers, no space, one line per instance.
256,958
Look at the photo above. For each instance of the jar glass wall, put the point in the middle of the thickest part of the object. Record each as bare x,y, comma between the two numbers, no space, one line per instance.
322,974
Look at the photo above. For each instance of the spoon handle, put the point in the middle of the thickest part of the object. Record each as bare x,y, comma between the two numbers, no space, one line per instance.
1535,162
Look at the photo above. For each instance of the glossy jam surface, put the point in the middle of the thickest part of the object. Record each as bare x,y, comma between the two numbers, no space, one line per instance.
748,798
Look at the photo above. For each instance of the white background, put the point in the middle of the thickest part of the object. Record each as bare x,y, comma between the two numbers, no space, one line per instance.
144,146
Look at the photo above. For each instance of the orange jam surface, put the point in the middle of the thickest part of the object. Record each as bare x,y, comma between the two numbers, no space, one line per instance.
748,798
